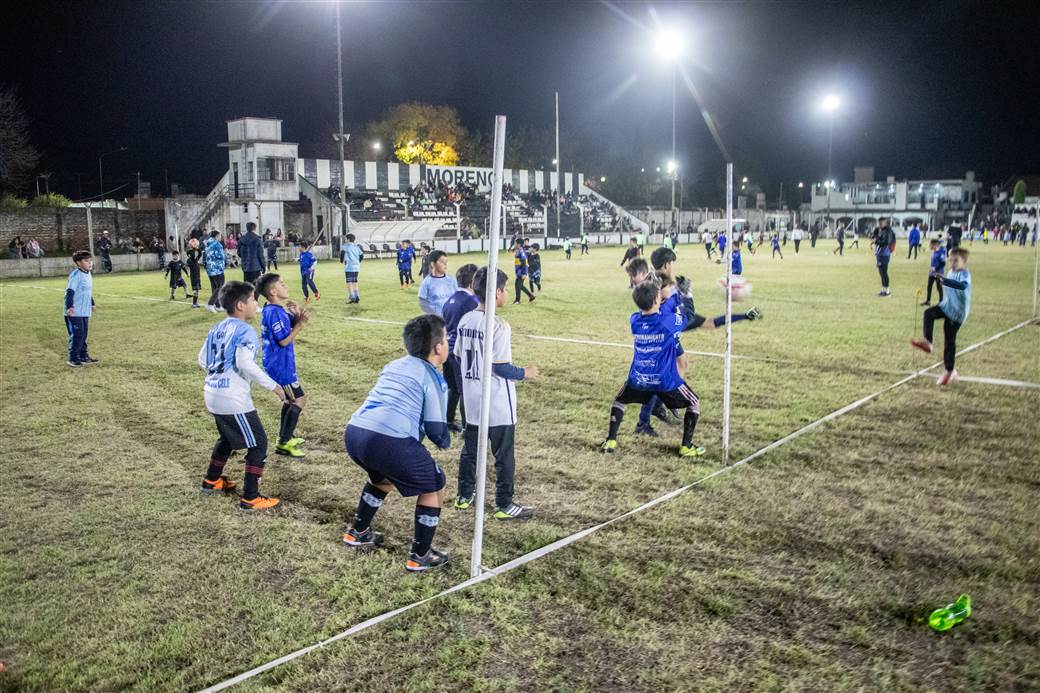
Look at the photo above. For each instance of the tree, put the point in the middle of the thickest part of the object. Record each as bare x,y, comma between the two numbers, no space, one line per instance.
1018,196
18,158
421,133
9,201
51,200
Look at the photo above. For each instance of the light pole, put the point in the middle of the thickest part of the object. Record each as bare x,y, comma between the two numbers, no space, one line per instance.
340,136
669,45
830,105
101,177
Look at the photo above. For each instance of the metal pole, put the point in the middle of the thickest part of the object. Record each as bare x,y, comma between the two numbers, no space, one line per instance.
675,165
138,191
101,179
90,231
1036,263
489,327
830,148
559,183
728,360
342,162
581,219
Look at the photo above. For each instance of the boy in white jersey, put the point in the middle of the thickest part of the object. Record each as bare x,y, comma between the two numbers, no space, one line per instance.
229,358
469,348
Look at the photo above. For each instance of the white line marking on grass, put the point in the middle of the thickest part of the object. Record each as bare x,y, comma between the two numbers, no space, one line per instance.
997,381
577,536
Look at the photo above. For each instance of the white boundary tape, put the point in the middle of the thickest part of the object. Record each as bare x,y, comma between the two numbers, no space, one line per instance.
997,381
577,536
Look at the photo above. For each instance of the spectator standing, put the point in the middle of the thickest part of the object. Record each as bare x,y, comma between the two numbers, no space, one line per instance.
913,240
103,246
883,241
251,254
215,260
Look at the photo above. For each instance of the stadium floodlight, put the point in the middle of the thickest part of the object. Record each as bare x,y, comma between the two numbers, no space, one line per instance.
669,45
801,184
672,166
830,103
744,179
377,145
554,162
602,179
658,169
642,170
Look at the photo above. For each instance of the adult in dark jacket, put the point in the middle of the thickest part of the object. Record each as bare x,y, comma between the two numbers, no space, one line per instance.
883,240
251,254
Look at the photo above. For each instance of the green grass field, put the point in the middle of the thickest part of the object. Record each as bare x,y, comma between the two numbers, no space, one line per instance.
814,566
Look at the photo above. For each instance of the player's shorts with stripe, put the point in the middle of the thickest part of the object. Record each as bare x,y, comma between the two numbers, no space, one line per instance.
293,391
352,277
404,462
695,321
241,431
681,397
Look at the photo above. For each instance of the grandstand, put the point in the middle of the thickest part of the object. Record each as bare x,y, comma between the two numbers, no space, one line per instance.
268,184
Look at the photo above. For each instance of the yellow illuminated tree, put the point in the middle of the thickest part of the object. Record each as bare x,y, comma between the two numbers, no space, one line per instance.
421,133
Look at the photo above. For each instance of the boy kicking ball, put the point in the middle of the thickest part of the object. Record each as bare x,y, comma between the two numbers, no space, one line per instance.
384,437
953,309
229,358
282,320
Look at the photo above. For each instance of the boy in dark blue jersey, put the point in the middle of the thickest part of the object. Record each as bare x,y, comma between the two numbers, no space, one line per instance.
460,303
938,266
308,266
655,329
534,265
520,265
405,255
281,321
384,438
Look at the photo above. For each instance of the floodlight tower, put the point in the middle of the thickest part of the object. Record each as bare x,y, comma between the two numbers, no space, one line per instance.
670,46
830,104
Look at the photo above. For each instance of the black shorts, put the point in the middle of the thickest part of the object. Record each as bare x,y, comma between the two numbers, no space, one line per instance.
404,462
681,397
293,391
695,322
241,431
352,277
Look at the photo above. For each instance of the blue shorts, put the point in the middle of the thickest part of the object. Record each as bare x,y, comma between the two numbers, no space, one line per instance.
404,462
352,277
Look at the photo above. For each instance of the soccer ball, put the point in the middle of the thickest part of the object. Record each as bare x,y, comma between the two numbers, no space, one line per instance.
740,288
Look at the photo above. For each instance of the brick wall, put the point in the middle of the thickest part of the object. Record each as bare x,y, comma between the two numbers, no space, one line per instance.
64,230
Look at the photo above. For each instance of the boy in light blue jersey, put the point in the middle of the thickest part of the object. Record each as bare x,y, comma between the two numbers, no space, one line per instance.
384,438
79,305
215,260
281,321
351,255
953,309
308,265
229,358
437,286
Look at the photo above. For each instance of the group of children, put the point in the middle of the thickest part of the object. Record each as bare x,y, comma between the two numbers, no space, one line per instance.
412,401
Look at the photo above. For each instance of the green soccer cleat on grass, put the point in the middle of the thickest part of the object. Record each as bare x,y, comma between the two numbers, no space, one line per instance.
463,502
514,511
753,313
609,446
691,451
287,449
294,442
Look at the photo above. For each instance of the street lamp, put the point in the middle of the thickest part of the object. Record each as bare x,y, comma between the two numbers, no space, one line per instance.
377,145
669,46
830,104
101,178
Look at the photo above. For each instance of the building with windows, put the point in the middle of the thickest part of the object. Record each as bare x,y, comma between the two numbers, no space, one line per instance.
933,203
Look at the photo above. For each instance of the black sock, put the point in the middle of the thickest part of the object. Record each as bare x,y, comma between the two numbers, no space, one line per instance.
426,521
371,500
721,320
617,413
290,417
215,468
689,424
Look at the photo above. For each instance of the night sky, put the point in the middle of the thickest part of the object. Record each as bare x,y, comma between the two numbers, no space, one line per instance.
929,89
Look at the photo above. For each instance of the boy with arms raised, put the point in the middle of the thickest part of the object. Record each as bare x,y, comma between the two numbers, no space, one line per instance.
953,308
384,438
229,358
280,322
469,348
